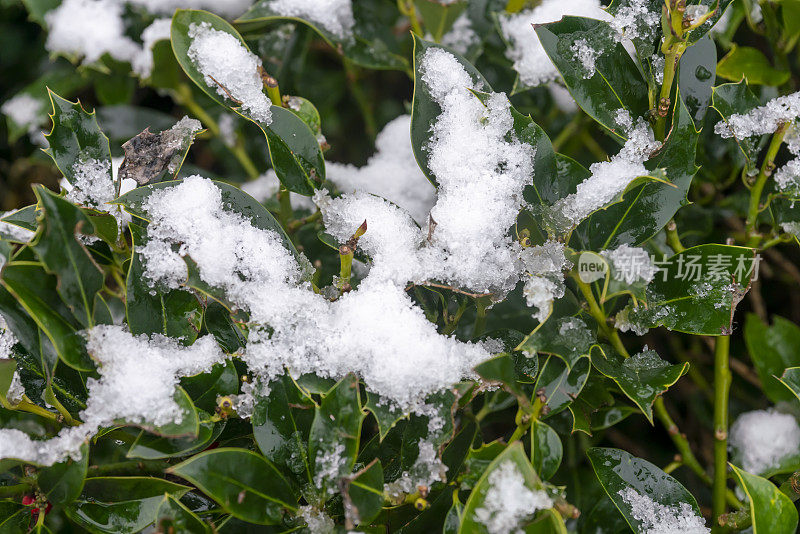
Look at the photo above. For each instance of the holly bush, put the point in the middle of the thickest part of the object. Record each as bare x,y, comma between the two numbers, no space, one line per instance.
536,297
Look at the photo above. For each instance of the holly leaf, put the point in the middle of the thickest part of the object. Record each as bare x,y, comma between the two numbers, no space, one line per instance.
770,509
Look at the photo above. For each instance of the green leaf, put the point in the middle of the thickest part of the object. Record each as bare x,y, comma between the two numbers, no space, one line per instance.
750,63
502,369
7,369
424,109
770,509
456,452
546,450
23,217
63,482
790,16
646,209
717,9
120,505
176,313
616,83
36,291
364,490
294,150
439,17
566,337
619,471
217,321
149,446
14,519
562,384
696,76
515,454
189,425
386,414
642,377
174,516
791,379
737,98
281,423
772,350
79,277
694,291
334,436
204,388
233,199
372,45
242,482
75,137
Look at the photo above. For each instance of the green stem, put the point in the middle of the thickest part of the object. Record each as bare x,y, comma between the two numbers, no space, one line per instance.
285,202
408,9
480,318
673,240
672,54
722,384
758,187
598,315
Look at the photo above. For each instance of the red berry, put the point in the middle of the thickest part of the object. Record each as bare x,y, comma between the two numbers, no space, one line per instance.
27,500
34,511
48,508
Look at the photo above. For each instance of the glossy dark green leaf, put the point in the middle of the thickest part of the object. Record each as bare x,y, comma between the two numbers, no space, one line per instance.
23,217
750,63
772,350
204,388
791,379
79,277
386,415
733,99
364,491
7,369
515,454
281,423
646,209
75,137
770,509
232,197
560,383
642,377
619,471
424,109
456,452
36,291
435,518
217,321
149,446
333,440
439,17
696,76
502,369
294,150
174,516
546,450
616,83
372,45
566,337
695,291
14,518
63,482
242,482
119,505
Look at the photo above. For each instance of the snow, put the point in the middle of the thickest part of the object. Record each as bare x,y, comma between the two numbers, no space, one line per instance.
608,180
544,265
335,16
540,293
93,186
647,360
586,55
317,521
16,391
266,187
225,8
329,465
763,438
635,20
761,120
27,112
695,13
142,62
461,36
657,518
12,231
7,340
630,264
787,177
89,29
129,389
509,503
391,173
230,68
526,51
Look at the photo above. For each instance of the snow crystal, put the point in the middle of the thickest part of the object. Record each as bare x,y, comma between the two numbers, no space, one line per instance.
226,8
335,16
230,68
586,55
135,390
317,521
657,518
761,120
89,29
792,227
227,129
266,187
787,177
329,464
540,292
12,231
461,36
635,20
93,186
647,360
27,112
7,340
391,173
142,62
695,13
508,502
526,51
630,264
426,470
16,391
608,180
763,438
